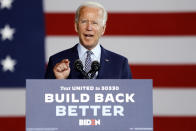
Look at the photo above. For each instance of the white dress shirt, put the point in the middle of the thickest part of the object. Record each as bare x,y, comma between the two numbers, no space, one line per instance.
96,56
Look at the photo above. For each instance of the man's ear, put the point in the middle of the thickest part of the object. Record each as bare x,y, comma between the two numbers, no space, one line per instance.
103,31
76,27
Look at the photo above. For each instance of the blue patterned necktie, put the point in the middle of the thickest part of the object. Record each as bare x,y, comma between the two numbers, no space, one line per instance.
88,61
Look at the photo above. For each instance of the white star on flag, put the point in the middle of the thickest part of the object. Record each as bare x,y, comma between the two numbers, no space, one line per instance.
7,33
6,4
8,64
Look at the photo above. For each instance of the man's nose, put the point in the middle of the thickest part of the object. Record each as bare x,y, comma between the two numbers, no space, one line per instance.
89,26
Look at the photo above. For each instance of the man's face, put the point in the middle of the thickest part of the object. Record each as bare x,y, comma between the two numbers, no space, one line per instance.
90,26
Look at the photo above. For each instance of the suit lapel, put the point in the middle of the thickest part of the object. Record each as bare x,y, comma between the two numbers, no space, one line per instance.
74,56
104,62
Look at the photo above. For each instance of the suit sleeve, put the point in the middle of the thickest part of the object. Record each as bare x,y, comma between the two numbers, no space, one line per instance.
49,71
126,70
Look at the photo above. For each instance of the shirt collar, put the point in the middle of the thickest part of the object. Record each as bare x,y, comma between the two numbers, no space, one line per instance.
96,50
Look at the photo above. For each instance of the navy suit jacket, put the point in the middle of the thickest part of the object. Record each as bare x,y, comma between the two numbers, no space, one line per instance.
113,66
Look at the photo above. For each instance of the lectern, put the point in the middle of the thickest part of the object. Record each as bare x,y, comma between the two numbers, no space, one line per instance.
89,105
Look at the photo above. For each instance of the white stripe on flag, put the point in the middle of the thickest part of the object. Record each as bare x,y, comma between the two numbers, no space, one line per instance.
174,102
12,102
125,5
147,50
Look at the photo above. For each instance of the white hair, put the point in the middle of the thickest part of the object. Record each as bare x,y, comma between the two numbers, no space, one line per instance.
91,4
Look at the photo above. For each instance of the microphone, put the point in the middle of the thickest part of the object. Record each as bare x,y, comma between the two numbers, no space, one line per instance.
95,66
78,66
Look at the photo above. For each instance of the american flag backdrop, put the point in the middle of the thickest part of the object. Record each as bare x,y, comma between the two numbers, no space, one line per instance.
157,36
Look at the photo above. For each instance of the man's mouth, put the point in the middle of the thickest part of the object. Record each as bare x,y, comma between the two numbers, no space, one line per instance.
88,35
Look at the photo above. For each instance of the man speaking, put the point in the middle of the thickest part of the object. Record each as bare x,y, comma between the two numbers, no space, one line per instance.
88,59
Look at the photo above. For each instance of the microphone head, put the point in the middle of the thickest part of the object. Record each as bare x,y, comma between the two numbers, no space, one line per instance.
78,65
95,66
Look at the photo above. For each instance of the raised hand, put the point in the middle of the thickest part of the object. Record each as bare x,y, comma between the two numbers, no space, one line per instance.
62,70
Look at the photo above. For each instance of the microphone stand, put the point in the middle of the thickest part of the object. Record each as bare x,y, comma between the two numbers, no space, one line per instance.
95,66
78,66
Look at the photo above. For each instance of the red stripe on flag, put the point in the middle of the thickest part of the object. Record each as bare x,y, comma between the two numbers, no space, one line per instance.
166,75
12,124
160,123
174,123
129,24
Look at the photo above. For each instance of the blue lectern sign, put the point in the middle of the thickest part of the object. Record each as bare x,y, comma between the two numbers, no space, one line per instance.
89,105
